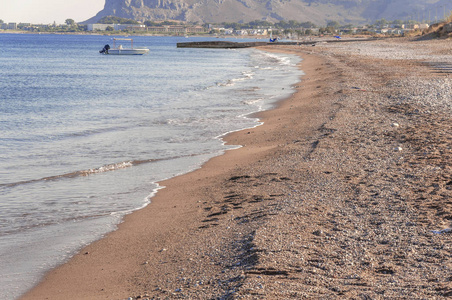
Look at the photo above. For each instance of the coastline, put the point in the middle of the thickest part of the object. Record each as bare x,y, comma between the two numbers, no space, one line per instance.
319,201
171,216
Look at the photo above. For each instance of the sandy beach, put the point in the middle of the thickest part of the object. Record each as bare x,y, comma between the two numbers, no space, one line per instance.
343,193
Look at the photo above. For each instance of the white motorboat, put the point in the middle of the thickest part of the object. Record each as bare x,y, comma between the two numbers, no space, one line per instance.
120,50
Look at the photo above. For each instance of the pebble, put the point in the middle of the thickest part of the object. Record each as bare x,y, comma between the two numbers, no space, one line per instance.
318,232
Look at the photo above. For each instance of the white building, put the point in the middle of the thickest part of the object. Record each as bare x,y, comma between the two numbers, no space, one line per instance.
8,26
241,32
100,27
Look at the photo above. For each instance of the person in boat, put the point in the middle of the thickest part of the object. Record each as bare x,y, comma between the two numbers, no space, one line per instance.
105,49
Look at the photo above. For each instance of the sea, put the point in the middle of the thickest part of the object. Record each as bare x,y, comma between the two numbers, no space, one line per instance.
85,138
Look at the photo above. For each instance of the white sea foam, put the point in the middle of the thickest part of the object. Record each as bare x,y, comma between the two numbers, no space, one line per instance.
231,82
252,101
107,168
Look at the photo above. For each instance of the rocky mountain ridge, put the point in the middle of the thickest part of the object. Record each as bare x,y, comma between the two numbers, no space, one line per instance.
316,11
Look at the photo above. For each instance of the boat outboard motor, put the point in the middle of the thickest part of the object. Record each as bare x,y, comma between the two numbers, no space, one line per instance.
105,50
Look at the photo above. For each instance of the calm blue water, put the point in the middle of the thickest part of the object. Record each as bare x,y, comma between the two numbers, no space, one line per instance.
85,137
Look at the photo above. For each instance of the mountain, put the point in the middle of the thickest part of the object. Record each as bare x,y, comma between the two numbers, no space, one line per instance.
317,11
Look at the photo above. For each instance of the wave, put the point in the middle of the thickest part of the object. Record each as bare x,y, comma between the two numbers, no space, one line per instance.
102,169
273,59
107,168
33,137
252,101
230,82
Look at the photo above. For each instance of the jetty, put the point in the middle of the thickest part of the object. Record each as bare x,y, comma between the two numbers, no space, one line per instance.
230,45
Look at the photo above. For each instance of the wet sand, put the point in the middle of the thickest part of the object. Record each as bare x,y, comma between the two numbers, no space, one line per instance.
337,195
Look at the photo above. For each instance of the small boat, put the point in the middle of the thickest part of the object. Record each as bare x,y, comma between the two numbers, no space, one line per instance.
120,50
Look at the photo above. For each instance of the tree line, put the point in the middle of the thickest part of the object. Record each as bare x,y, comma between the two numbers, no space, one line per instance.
290,26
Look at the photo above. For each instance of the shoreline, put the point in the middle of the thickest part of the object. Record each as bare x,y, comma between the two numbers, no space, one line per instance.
159,203
336,195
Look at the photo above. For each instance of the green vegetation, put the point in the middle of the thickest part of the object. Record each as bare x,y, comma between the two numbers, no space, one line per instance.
265,24
70,22
116,20
158,24
396,23
333,24
449,18
53,28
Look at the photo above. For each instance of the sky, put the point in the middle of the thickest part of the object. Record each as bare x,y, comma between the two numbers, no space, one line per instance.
48,11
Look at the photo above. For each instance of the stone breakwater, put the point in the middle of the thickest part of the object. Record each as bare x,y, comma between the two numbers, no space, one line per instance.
230,45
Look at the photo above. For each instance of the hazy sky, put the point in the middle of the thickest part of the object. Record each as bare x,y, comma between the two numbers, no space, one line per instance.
48,11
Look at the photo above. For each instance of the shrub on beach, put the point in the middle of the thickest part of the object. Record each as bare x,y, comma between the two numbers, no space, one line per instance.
441,30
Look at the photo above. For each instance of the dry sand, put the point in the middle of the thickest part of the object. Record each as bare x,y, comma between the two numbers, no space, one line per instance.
337,195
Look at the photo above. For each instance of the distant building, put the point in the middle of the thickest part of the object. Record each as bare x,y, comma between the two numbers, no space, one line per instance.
103,27
415,26
176,29
12,26
362,29
241,32
24,26
98,27
157,28
348,31
5,26
43,26
132,27
423,26
258,31
225,31
410,26
196,29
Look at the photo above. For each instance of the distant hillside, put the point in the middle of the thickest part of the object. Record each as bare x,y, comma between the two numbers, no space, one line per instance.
316,11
